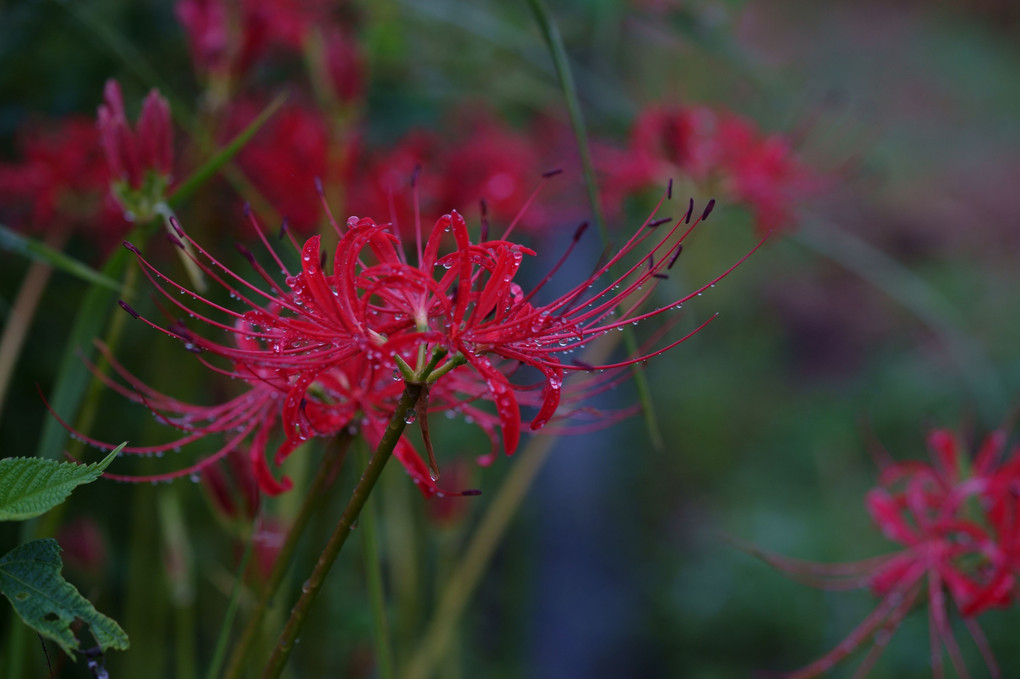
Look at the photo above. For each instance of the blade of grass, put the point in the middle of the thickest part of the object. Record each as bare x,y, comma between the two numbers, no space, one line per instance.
464,578
73,375
374,580
558,52
41,252
220,654
223,156
314,496
18,321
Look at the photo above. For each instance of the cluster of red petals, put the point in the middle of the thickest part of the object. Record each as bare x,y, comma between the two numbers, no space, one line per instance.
759,171
227,38
61,181
285,158
958,521
133,155
485,161
319,354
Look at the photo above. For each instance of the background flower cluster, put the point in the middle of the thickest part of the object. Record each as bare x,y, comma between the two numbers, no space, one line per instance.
876,143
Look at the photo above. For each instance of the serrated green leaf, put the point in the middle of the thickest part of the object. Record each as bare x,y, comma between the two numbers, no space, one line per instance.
37,250
30,579
30,486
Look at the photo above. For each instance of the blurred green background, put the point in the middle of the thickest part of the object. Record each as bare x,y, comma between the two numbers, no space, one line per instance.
889,308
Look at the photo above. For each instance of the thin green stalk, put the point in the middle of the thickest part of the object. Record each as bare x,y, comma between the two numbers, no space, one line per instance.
554,40
914,294
551,33
179,561
219,655
19,320
465,578
313,500
48,253
312,586
213,164
374,581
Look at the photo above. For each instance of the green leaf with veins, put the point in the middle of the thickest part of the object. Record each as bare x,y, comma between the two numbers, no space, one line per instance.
30,486
30,579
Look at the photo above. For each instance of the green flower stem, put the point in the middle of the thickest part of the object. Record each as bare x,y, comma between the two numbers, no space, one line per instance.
914,294
313,500
373,577
554,40
310,590
464,579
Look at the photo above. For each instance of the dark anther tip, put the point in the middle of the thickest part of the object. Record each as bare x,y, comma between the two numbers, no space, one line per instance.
283,229
581,228
660,276
484,207
322,260
175,240
552,173
669,189
471,493
415,175
679,249
583,364
245,252
690,211
659,222
246,210
130,246
318,185
177,226
127,307
708,210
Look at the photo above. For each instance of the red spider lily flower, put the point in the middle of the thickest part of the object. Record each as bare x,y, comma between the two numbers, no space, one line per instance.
728,152
492,162
285,158
380,187
61,181
958,530
323,352
487,161
226,38
140,160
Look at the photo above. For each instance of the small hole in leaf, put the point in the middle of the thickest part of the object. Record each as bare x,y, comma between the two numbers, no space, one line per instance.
51,617
21,596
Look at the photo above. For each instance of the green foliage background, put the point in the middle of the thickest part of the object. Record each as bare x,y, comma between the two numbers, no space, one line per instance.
768,415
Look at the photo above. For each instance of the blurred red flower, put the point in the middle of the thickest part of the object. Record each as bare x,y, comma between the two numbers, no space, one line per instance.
61,182
226,38
956,520
760,172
